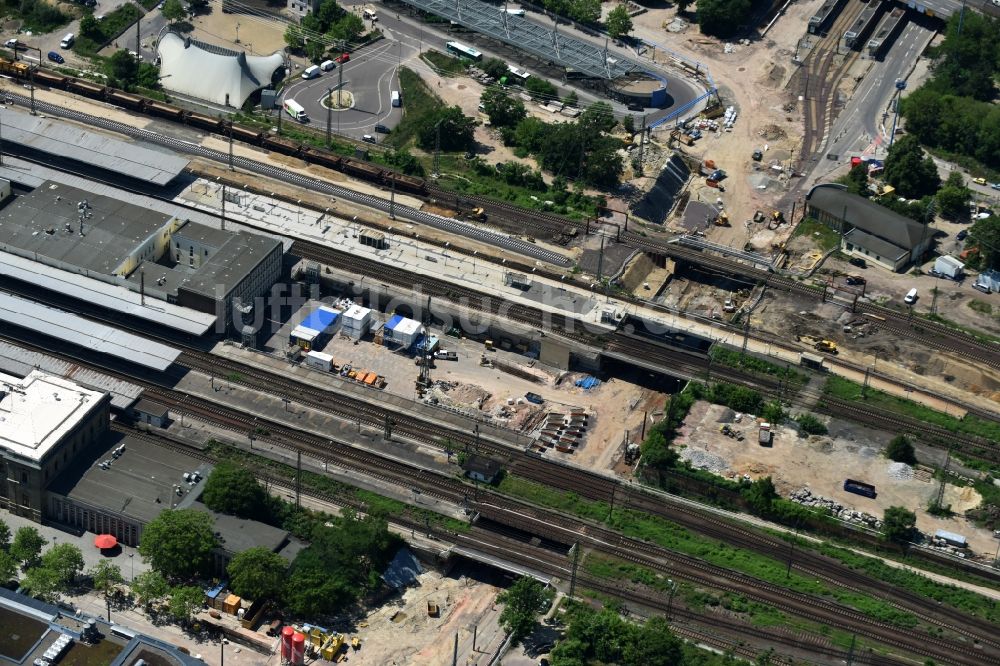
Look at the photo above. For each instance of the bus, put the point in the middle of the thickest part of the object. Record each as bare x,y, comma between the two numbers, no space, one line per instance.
295,110
463,51
519,73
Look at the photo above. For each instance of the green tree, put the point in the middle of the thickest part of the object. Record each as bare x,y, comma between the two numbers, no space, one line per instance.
760,495
8,567
954,197
571,99
106,575
773,412
42,583
294,38
598,118
522,601
65,560
811,425
179,543
4,536
906,169
257,573
898,524
347,28
585,11
628,123
235,490
121,66
502,109
456,130
185,601
654,645
173,10
657,453
856,180
682,5
90,27
619,22
494,67
900,449
150,586
27,546
722,18
540,89
985,236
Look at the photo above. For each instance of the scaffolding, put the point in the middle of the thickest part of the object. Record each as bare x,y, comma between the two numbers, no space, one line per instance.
542,41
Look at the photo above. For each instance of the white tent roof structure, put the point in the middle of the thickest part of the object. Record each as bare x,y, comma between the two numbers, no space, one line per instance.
212,73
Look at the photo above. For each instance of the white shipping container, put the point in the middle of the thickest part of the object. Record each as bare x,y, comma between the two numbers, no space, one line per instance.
949,267
319,360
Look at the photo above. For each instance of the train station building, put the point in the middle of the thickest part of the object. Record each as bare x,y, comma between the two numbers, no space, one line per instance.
97,239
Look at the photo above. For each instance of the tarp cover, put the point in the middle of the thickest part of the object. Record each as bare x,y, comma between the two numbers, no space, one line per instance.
403,570
211,73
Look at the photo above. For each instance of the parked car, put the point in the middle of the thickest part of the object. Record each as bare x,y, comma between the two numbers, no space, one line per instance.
995,186
855,280
342,58
857,261
56,58
962,235
979,181
381,129
368,138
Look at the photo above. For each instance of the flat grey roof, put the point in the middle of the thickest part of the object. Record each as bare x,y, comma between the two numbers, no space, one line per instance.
236,534
106,295
138,485
86,333
870,217
61,138
47,222
230,264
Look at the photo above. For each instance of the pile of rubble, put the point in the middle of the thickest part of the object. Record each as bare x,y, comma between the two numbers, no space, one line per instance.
806,498
704,460
772,133
900,471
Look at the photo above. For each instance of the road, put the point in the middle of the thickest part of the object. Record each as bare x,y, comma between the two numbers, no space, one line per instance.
945,8
863,126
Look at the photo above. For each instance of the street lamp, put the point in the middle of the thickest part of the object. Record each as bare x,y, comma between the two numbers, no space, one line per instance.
222,650
237,32
131,562
670,599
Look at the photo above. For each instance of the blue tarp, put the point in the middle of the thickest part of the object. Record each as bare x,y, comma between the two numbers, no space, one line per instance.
588,382
403,570
214,592
392,323
320,320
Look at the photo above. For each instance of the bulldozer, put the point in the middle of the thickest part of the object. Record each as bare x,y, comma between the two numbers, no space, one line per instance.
722,220
477,214
828,346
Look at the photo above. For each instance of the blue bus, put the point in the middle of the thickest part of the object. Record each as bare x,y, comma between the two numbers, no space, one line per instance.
463,51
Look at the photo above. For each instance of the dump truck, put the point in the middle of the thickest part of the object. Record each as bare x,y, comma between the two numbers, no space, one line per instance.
764,434
432,609
758,216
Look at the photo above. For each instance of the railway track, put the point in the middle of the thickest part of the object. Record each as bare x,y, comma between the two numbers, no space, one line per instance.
431,484
702,628
928,333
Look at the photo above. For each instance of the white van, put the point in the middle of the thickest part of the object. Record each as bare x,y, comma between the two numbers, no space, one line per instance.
327,65
911,296
67,41
311,72
395,98
370,15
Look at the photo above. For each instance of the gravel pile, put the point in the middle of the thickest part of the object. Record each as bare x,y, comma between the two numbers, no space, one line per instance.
705,460
900,471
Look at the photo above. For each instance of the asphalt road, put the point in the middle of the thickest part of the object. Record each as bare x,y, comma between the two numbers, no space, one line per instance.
863,126
370,75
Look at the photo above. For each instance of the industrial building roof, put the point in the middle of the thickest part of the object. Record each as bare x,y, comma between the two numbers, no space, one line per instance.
230,264
106,295
834,199
47,222
875,245
19,361
76,330
406,327
357,313
213,73
236,534
393,322
64,139
36,412
139,484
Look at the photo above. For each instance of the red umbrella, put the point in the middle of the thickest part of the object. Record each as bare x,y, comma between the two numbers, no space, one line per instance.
105,541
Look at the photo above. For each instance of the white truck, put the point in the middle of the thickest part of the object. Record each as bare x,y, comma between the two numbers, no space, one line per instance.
949,267
295,110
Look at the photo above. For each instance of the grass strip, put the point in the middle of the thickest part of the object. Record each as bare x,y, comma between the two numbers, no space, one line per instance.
845,389
443,64
734,359
825,237
373,502
974,332
674,537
